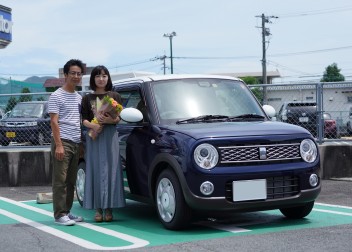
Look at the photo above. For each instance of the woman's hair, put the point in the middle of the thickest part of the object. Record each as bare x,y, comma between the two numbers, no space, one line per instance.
97,71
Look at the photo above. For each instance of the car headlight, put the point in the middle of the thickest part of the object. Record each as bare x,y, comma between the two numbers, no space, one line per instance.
308,150
206,156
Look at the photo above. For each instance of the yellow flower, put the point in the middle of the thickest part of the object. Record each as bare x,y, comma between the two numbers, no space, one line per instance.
95,120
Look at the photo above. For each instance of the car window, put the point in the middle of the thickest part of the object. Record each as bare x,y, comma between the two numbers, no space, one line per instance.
28,110
178,99
130,99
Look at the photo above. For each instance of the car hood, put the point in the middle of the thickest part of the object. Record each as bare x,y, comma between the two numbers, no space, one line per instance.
20,119
236,129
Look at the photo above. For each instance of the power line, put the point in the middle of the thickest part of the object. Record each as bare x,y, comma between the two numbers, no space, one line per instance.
317,12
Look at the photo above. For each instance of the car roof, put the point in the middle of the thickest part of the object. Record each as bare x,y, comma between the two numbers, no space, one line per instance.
174,77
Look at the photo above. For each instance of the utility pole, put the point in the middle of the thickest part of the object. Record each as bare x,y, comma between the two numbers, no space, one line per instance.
265,33
163,59
170,36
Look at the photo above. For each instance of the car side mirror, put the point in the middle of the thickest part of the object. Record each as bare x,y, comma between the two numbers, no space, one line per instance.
270,112
131,115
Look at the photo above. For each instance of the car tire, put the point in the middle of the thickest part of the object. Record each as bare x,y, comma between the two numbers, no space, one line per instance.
298,212
80,181
173,211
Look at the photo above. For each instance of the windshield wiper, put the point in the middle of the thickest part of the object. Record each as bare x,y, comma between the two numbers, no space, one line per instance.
245,117
204,118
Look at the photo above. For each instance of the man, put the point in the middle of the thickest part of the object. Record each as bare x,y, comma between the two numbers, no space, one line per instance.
64,110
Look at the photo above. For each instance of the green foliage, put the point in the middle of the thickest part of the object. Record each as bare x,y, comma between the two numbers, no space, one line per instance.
332,74
250,80
11,103
258,92
24,98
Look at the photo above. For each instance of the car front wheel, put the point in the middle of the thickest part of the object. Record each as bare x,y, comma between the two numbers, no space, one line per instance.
298,212
80,181
173,212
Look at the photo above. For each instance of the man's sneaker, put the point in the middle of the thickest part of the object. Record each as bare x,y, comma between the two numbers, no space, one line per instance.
65,220
75,218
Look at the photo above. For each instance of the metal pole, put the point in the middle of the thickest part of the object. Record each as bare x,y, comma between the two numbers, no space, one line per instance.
170,36
264,60
172,65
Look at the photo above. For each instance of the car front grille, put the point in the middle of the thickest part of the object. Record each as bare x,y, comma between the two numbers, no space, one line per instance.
259,153
276,187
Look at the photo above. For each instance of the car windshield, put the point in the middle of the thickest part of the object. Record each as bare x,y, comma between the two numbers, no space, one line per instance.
205,99
27,110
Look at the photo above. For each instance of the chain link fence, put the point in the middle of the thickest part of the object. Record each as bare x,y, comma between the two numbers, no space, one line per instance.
24,119
325,109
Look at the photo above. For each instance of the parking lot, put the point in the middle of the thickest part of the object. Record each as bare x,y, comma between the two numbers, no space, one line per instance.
26,225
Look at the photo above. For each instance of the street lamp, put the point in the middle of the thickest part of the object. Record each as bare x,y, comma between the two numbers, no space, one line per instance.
170,36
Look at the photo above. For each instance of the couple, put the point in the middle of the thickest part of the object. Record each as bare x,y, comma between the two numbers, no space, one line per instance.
104,181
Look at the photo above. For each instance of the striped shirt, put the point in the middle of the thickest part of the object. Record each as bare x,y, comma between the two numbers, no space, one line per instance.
68,107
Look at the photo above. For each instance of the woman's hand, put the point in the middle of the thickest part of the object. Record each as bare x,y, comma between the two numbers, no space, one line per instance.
107,119
97,127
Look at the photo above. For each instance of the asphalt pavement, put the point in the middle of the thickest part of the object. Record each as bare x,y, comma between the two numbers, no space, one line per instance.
22,237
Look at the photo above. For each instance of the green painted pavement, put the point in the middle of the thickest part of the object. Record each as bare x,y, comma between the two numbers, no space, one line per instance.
140,222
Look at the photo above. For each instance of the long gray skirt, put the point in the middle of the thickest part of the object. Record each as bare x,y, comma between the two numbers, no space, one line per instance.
104,179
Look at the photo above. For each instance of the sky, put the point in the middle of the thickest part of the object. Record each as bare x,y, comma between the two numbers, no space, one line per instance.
212,36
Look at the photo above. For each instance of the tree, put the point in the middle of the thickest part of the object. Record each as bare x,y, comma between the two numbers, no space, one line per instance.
11,103
258,92
332,74
25,98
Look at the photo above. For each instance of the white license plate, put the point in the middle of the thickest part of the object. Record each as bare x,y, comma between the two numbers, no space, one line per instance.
303,119
243,190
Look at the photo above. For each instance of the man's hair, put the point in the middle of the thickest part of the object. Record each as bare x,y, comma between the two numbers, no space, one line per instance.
73,62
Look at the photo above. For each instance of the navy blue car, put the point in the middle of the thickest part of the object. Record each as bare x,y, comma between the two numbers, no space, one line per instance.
206,146
28,122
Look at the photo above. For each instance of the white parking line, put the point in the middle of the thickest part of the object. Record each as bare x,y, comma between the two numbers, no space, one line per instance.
136,242
330,205
332,212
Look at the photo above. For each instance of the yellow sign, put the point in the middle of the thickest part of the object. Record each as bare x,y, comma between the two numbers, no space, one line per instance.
10,134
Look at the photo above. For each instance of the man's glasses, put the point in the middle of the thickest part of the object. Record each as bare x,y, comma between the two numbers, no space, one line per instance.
78,74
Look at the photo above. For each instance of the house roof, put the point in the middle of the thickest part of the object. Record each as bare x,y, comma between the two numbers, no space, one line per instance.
56,82
271,74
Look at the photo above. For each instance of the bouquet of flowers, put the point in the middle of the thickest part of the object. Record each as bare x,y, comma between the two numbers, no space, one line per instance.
106,106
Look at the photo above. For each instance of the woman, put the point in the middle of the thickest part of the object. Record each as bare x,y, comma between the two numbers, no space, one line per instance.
104,180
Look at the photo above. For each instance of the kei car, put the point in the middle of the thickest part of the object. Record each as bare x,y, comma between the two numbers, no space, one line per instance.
28,122
206,146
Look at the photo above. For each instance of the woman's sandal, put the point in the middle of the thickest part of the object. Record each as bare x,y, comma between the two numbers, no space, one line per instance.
108,215
98,215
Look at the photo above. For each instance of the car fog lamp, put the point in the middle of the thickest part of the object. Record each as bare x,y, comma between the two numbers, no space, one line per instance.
308,150
313,180
207,188
206,156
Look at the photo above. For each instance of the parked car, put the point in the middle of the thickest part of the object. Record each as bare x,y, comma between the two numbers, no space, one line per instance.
330,128
206,146
300,113
349,122
304,114
28,122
